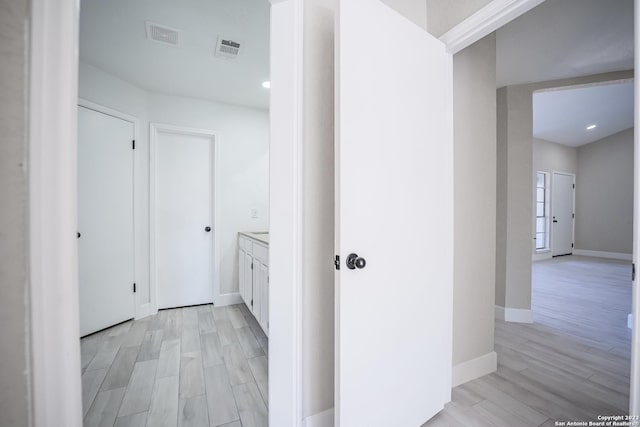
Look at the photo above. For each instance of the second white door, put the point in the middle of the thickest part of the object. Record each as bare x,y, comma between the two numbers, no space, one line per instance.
184,234
562,202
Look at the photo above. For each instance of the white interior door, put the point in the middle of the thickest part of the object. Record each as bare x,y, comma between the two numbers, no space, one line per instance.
562,204
105,220
184,232
394,210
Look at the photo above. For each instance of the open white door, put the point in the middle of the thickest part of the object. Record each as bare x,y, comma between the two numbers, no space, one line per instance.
394,196
105,220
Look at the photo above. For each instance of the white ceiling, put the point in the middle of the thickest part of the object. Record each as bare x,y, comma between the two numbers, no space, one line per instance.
113,38
566,38
562,115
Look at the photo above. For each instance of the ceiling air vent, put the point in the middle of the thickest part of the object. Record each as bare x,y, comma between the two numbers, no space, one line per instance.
227,48
162,34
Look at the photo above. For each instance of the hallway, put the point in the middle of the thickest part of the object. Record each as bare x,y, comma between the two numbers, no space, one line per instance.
572,364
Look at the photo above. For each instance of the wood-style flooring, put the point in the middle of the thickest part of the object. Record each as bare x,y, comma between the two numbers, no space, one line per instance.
189,367
571,364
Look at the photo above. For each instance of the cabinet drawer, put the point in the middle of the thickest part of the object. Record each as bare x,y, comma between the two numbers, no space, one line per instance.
245,244
261,252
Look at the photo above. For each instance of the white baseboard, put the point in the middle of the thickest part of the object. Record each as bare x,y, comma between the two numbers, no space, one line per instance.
516,315
630,320
474,368
541,256
228,299
601,254
322,419
143,311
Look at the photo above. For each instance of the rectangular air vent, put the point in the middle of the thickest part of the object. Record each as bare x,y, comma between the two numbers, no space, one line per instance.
162,34
227,48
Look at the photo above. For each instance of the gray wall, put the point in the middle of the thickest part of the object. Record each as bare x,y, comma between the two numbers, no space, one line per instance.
515,196
549,157
474,165
604,194
415,10
446,14
14,278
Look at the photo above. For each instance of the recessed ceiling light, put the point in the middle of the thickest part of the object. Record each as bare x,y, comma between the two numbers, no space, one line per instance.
591,127
266,84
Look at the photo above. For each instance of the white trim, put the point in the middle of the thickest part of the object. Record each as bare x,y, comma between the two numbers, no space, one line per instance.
485,21
515,315
541,255
448,321
231,298
142,308
321,419
634,392
573,219
474,368
286,214
56,398
601,254
154,130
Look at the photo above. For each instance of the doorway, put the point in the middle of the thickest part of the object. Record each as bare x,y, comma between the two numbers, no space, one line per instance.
105,218
182,216
562,213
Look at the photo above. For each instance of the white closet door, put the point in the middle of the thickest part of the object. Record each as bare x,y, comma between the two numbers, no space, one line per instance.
105,220
394,190
183,212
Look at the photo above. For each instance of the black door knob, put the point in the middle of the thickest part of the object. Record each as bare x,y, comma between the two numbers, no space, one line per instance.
207,229
353,262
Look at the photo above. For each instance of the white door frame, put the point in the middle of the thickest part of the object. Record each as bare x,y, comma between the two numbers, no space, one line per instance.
573,202
154,130
55,350
139,312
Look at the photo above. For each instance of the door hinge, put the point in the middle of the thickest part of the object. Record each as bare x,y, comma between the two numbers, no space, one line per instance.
251,302
336,262
633,272
252,266
133,144
574,186
573,215
134,288
572,245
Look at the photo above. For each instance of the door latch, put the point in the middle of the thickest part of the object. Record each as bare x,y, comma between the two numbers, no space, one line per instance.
336,262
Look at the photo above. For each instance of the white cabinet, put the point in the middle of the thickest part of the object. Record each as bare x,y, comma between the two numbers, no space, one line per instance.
253,278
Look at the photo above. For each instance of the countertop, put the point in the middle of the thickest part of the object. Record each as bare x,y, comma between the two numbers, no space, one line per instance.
262,237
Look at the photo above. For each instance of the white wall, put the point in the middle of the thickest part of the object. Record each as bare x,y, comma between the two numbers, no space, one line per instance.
14,185
243,137
604,194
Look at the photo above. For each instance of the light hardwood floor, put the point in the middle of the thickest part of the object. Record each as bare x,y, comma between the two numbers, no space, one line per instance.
194,366
571,364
